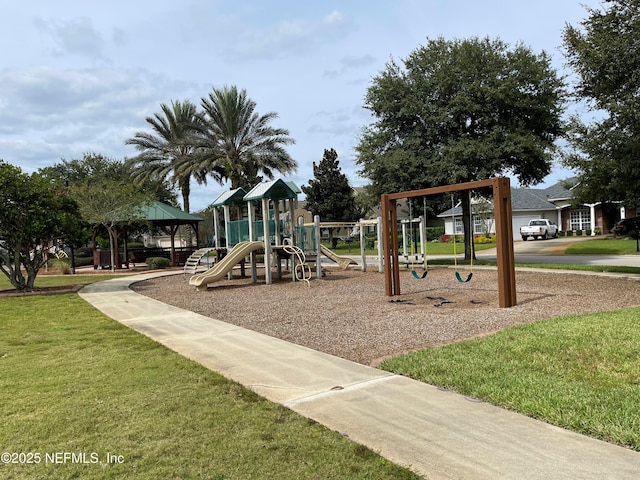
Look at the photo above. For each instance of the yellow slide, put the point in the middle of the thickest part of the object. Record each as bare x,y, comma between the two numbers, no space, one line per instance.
224,266
344,262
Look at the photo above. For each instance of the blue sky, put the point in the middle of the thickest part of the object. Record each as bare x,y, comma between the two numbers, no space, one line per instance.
79,76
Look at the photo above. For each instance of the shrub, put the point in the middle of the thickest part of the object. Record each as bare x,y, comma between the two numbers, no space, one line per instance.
434,233
561,233
598,231
157,262
458,238
569,233
82,261
482,239
59,266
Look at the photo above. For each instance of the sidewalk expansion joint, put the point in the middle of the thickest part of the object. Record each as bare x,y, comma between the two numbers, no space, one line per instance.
338,389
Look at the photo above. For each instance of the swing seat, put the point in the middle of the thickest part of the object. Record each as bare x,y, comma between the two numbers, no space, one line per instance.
417,276
461,280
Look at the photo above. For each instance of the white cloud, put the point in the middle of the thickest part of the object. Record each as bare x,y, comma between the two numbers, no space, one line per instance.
65,113
350,63
289,37
76,36
83,76
334,18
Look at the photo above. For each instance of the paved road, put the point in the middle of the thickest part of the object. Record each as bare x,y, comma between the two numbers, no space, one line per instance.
535,251
551,251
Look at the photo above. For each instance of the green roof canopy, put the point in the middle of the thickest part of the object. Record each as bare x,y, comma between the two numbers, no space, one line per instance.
161,212
232,197
294,187
274,190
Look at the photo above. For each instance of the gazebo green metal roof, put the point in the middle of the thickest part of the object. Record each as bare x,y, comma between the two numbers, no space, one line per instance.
274,190
161,212
232,197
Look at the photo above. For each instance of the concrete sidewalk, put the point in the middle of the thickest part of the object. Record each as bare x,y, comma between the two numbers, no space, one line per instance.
438,434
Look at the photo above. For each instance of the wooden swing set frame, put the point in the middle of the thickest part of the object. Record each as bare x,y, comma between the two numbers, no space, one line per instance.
504,234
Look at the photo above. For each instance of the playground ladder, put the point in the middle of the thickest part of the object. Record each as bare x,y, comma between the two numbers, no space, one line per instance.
192,263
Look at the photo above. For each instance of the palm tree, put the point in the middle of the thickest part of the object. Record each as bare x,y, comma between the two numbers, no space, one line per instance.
240,141
169,152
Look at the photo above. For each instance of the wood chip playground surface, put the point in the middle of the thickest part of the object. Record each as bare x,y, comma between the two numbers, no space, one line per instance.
346,313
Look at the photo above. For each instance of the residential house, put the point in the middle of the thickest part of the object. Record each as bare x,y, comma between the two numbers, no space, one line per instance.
554,203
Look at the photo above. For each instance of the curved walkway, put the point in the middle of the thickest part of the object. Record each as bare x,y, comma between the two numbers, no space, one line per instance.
436,433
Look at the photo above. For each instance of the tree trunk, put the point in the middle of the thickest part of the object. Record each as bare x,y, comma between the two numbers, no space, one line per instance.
185,191
32,272
467,225
17,280
111,252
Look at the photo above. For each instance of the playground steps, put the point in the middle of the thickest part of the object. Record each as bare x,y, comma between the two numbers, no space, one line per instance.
192,263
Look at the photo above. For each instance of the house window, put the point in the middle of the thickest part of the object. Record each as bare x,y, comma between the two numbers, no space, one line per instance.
457,227
581,219
477,224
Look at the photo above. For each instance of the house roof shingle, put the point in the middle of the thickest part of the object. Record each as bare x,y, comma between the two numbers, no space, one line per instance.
530,199
560,190
523,199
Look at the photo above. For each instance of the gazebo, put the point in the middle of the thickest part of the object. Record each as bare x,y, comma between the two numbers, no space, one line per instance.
159,215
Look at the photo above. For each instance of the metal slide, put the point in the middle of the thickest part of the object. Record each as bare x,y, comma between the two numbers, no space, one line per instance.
224,266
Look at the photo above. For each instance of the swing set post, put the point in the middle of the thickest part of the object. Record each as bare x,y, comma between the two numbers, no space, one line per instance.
390,246
504,234
504,243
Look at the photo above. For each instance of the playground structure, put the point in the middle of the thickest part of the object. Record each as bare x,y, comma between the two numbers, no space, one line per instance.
272,235
504,234
309,236
224,266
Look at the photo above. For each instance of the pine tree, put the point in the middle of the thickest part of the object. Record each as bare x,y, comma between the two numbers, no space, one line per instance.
329,194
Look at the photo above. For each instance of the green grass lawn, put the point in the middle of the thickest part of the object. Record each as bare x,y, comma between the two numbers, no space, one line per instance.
437,248
75,381
578,372
60,280
584,268
604,246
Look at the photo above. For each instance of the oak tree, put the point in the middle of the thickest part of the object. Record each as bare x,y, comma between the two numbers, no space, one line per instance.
604,53
457,111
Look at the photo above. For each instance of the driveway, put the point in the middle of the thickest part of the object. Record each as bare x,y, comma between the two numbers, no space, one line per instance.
552,251
553,246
